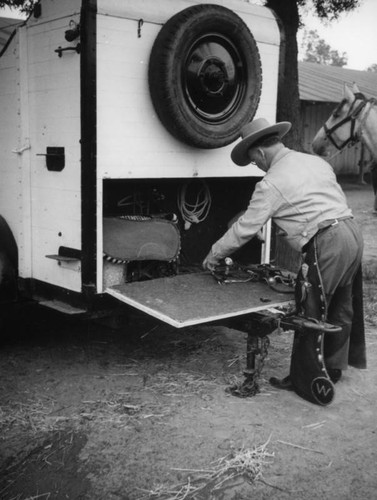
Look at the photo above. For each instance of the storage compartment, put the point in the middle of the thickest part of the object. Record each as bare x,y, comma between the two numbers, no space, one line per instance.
213,203
177,290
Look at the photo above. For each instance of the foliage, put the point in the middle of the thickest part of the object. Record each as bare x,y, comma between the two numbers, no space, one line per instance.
25,6
289,14
373,68
318,51
332,9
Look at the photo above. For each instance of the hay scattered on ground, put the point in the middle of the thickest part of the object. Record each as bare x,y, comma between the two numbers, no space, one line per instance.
120,409
181,383
35,416
370,300
245,463
40,417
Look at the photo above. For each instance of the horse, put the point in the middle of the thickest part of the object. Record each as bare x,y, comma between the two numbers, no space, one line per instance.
353,120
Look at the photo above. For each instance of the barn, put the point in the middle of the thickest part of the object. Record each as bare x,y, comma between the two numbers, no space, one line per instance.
321,88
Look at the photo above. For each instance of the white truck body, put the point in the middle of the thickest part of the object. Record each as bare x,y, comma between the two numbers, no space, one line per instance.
94,102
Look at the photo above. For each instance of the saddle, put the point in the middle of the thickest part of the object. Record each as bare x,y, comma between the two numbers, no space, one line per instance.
140,238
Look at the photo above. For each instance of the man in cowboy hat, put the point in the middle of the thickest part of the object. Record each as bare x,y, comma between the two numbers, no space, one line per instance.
300,193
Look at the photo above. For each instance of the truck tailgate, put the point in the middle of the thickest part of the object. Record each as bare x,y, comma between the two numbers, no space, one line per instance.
191,299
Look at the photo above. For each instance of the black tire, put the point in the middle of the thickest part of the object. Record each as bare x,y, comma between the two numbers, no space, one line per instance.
8,281
8,244
8,263
205,76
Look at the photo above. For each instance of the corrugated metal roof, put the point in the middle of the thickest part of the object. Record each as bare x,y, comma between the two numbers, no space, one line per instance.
318,82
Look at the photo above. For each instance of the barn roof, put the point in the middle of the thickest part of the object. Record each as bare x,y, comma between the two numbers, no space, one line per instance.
318,82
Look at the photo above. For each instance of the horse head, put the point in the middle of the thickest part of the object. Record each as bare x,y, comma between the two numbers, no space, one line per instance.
341,128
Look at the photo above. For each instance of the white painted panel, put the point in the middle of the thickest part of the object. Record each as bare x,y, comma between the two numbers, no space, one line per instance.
262,21
54,115
270,67
48,203
10,164
51,229
24,153
48,270
131,141
8,82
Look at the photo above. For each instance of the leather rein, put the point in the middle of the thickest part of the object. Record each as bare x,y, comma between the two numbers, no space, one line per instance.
351,116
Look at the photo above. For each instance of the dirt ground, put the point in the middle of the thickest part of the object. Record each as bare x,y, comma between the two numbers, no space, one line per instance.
142,412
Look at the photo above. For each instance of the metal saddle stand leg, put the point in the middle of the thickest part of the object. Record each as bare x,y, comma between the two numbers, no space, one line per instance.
308,372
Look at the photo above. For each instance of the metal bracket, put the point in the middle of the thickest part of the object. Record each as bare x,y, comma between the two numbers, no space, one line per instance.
60,50
139,25
66,254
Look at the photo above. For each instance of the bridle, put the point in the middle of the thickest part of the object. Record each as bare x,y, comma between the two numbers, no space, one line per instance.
351,116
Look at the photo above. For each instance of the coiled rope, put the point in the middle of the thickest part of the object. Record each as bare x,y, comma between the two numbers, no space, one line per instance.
196,211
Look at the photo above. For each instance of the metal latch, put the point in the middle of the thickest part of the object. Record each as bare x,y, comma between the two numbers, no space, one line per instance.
55,158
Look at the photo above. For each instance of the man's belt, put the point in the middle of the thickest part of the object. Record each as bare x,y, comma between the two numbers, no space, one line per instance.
331,222
322,226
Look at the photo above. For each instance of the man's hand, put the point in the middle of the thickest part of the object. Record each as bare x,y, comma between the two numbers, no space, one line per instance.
210,262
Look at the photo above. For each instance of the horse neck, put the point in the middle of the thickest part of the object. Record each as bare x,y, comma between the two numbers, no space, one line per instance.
369,131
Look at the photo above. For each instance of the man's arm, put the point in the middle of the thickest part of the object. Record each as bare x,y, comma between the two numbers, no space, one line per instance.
261,208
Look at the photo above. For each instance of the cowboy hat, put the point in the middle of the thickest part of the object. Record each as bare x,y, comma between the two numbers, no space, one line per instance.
253,132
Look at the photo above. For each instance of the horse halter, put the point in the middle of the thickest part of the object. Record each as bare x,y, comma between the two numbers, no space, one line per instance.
351,116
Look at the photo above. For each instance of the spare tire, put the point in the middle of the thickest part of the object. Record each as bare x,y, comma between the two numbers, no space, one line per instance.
205,76
8,264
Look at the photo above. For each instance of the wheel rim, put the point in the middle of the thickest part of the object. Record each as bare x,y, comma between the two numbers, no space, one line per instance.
214,78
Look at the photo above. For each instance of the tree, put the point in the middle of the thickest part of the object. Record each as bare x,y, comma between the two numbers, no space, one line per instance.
23,5
288,15
373,68
320,52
